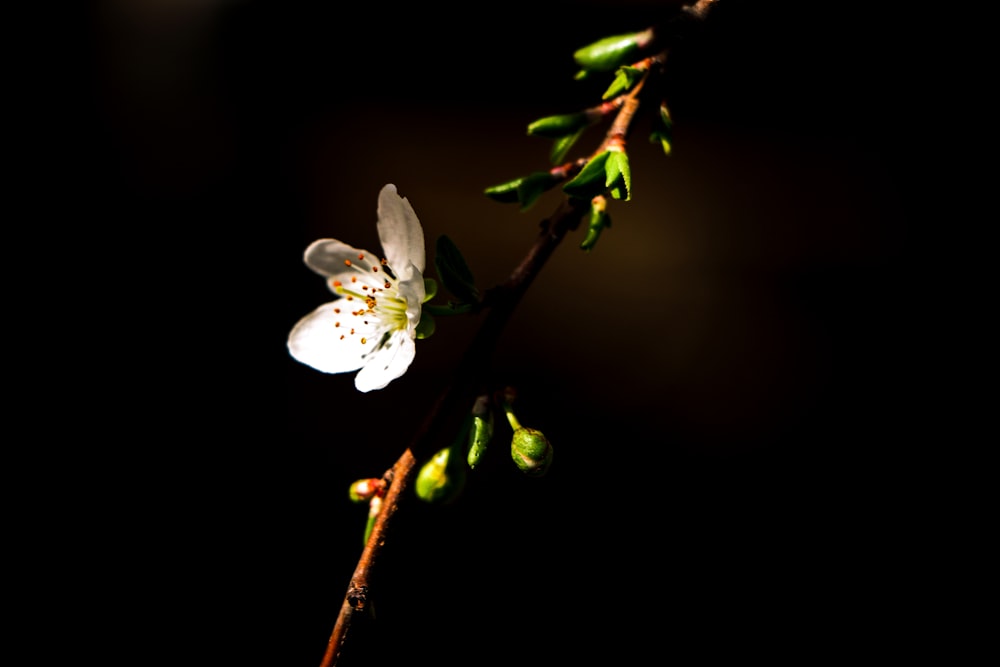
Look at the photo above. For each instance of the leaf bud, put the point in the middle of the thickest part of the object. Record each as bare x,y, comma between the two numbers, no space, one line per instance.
598,222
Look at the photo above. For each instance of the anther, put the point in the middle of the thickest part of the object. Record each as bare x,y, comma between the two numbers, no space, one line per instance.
347,262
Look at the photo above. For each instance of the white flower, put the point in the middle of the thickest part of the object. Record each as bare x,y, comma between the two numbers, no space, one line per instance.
373,325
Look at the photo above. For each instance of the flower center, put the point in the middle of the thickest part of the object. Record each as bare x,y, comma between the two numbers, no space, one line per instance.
375,292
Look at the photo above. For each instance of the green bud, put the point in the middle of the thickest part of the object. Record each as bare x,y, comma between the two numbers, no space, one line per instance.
454,271
531,451
618,175
609,53
663,128
559,126
529,448
525,190
591,180
481,431
599,221
441,478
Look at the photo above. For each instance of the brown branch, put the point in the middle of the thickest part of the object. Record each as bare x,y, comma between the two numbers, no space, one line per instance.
504,300
501,300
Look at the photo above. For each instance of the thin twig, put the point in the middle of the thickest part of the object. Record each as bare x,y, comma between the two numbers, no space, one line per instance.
502,301
505,298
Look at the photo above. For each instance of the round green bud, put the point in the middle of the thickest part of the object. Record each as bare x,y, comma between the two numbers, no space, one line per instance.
441,479
531,451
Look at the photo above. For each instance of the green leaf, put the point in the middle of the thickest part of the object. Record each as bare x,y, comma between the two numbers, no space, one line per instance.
609,53
505,192
618,175
430,289
453,271
561,146
524,190
426,326
555,127
625,78
590,182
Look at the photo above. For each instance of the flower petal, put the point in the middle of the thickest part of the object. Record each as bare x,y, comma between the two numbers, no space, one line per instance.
317,340
387,363
399,231
327,256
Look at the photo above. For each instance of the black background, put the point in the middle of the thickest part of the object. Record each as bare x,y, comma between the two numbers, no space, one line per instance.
726,378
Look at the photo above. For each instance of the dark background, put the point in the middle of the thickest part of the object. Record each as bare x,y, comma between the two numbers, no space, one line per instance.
726,378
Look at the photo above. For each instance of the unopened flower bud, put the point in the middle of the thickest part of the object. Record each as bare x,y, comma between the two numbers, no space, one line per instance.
531,451
481,430
529,448
363,490
441,479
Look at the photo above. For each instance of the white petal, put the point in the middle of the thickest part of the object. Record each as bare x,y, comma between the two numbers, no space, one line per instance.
327,256
399,231
413,290
317,341
387,363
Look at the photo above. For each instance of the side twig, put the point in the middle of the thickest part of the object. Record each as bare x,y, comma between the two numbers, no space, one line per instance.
504,300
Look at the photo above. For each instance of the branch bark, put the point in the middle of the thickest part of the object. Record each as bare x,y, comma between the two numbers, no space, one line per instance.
501,301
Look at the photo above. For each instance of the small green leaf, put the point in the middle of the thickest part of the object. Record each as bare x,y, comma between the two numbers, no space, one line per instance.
609,53
555,127
524,190
430,289
590,182
453,271
618,175
505,192
625,79
426,326
561,146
